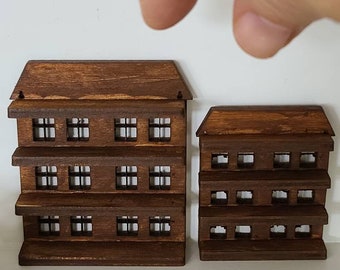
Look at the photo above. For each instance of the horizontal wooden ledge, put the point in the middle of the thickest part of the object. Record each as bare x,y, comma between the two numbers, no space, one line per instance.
102,253
98,156
278,249
298,178
35,204
308,213
94,108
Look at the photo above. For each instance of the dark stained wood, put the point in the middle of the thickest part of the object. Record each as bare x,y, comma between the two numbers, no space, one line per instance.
102,253
263,250
228,120
101,80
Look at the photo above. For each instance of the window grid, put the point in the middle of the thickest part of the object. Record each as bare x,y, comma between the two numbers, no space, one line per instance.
126,129
243,231
79,177
49,225
305,196
280,196
78,129
282,159
160,129
303,231
46,177
81,225
245,160
219,160
127,225
278,231
308,159
160,177
219,197
126,178
244,196
160,226
218,232
43,129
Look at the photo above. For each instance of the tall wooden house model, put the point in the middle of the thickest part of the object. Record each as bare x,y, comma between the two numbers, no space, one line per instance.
263,180
102,156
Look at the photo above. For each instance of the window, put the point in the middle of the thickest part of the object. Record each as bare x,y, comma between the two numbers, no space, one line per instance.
126,129
81,225
79,177
43,129
49,225
245,160
219,197
281,159
77,129
279,196
160,129
308,159
305,196
126,177
46,177
218,232
244,197
127,226
160,177
278,231
160,226
243,231
219,161
303,231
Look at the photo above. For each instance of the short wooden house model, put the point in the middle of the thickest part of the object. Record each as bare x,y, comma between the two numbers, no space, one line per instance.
263,180
102,156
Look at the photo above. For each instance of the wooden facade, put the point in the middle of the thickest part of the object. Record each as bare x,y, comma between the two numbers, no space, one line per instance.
263,181
102,157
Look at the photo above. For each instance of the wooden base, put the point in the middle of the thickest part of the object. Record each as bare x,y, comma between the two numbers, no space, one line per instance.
240,250
102,253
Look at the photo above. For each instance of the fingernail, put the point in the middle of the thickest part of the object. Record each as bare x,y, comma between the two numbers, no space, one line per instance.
260,37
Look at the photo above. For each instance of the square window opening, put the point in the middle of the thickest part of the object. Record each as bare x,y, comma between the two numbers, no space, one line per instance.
303,231
282,159
79,177
49,225
160,129
219,197
160,226
126,178
279,197
305,196
43,129
219,161
126,129
81,225
127,225
160,177
243,232
244,197
78,129
46,177
245,160
218,232
278,231
308,159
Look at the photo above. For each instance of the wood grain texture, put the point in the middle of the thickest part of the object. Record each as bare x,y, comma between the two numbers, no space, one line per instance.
101,80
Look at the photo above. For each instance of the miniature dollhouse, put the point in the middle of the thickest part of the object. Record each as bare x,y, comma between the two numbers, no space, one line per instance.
263,180
102,156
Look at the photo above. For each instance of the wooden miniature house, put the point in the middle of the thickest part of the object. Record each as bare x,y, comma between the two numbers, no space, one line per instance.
102,156
263,180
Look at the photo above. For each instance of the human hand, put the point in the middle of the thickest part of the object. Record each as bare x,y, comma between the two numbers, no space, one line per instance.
261,27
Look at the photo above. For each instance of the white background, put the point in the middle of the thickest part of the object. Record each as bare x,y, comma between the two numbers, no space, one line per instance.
218,72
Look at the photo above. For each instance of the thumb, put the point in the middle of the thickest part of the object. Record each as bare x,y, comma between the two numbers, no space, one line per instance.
263,27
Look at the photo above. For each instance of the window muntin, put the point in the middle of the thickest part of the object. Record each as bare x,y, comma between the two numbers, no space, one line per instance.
160,129
303,231
278,231
218,232
43,129
127,225
160,225
46,177
308,160
305,196
49,225
242,231
244,196
78,129
160,177
219,160
79,177
282,159
219,197
81,225
126,129
280,196
245,160
126,178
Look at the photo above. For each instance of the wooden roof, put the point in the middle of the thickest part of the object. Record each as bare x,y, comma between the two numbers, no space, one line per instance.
267,120
117,80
